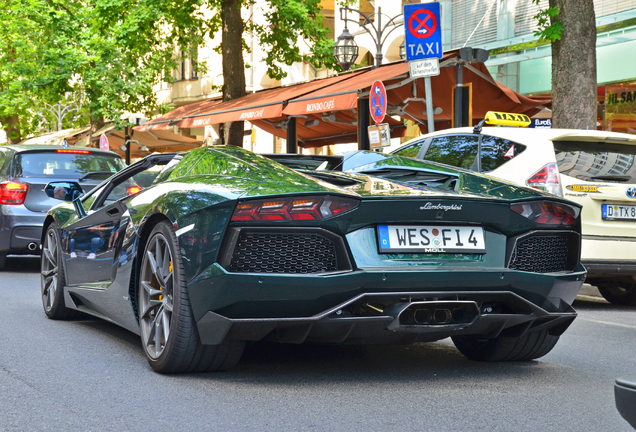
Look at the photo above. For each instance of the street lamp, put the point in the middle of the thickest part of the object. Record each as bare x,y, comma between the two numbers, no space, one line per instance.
377,33
345,50
129,132
60,110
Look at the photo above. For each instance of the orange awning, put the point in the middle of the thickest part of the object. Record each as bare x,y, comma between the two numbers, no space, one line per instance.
262,105
326,109
344,95
169,119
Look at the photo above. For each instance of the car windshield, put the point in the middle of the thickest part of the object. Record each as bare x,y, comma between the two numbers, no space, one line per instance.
68,165
596,162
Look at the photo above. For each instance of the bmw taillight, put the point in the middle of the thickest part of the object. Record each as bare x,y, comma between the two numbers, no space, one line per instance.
546,212
299,208
546,180
13,193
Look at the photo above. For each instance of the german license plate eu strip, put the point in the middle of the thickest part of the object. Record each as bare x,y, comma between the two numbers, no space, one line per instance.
619,212
430,239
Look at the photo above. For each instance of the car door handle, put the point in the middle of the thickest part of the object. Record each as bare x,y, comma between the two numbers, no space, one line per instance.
112,212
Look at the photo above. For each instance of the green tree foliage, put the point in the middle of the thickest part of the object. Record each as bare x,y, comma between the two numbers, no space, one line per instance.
288,22
115,51
550,27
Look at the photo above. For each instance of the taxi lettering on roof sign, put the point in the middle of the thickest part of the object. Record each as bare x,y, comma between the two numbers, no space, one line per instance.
507,119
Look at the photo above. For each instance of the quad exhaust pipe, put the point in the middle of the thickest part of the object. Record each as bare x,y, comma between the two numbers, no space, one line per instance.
433,313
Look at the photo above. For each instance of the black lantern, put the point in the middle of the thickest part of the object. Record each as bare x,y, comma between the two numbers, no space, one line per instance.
403,50
345,50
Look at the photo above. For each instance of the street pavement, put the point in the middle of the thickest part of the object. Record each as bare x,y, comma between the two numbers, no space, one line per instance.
90,375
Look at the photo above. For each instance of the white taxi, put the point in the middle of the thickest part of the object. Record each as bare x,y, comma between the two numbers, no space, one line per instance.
596,169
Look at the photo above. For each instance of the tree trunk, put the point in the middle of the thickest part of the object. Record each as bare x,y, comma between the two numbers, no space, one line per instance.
12,129
574,66
233,65
96,124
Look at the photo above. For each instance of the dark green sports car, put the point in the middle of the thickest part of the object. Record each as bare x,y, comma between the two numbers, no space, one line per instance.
202,252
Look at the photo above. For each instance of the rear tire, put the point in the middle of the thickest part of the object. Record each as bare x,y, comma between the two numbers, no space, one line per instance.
169,334
618,293
530,346
3,260
52,279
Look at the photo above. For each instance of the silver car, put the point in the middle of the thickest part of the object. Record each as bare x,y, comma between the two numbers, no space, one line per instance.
24,172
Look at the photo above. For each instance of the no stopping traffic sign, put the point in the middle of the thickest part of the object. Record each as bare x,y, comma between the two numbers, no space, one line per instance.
377,102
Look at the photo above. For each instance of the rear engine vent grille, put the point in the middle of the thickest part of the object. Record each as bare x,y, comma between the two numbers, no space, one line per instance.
302,253
540,254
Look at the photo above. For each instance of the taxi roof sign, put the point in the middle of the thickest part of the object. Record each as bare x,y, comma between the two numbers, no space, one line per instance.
507,119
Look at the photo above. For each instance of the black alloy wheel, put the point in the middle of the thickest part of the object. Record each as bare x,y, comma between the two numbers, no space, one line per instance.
52,279
169,334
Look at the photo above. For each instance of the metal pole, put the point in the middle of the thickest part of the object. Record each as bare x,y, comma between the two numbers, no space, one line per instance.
378,44
127,139
459,93
59,116
364,118
429,104
292,136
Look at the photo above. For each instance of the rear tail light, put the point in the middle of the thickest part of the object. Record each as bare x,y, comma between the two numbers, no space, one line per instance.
546,180
286,209
133,190
546,212
13,193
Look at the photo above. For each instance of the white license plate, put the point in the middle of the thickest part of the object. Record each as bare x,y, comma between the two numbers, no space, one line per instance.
430,239
619,212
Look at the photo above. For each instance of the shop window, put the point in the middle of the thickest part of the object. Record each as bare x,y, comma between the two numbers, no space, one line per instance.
187,68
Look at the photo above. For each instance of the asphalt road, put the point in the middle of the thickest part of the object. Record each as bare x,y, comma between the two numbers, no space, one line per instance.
89,375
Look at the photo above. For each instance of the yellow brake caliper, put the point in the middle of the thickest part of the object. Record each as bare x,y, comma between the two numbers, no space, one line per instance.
160,287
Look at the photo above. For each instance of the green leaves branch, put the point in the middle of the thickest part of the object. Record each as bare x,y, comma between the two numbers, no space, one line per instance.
550,27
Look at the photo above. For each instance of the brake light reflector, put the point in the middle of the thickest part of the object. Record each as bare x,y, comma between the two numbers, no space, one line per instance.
306,208
13,193
546,212
546,180
73,151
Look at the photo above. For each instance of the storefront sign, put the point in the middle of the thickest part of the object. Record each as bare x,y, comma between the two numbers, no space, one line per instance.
620,108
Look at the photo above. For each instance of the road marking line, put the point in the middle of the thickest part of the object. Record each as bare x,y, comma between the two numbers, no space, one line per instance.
609,323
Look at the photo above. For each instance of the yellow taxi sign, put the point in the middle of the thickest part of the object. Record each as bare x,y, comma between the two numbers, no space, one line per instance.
507,119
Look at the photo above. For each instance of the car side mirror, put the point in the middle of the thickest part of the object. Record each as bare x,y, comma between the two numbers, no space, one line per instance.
67,191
